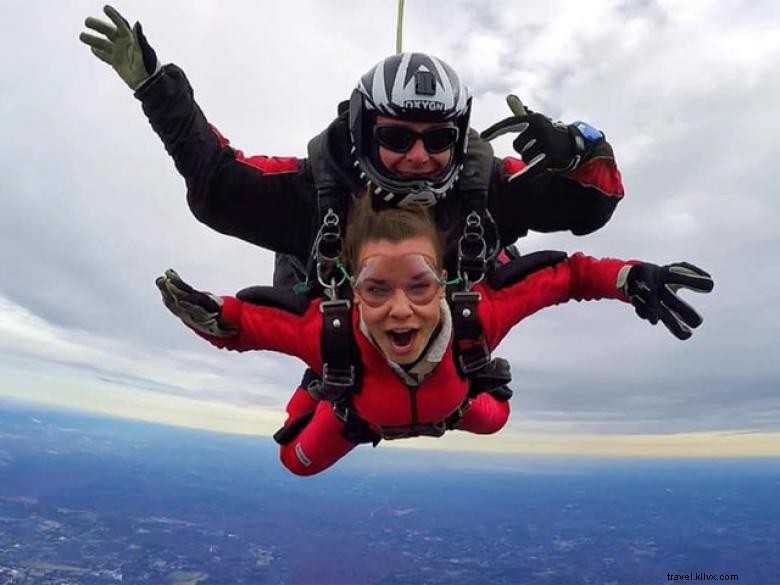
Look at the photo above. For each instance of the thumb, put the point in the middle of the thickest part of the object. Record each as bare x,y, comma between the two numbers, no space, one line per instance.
151,64
517,107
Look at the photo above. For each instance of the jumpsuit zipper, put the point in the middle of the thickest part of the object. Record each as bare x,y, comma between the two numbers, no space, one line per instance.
413,397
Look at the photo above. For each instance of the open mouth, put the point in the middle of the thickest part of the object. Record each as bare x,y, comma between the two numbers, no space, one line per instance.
402,340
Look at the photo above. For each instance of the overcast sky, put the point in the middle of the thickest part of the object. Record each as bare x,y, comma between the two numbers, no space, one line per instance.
93,208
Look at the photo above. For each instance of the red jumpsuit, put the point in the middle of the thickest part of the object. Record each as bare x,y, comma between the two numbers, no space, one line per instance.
384,399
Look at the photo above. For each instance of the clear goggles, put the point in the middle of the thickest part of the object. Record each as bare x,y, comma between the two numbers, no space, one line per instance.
380,276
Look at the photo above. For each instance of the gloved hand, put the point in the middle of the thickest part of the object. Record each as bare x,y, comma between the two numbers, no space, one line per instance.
199,310
125,49
542,143
653,292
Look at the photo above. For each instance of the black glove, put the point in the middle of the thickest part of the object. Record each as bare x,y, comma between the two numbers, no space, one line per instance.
125,49
199,310
542,143
653,292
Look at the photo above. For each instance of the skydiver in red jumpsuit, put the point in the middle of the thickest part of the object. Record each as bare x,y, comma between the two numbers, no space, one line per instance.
403,328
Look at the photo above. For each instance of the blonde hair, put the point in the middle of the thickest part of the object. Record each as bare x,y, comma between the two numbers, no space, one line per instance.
365,224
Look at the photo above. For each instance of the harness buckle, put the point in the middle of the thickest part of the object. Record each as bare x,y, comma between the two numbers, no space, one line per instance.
473,361
413,430
341,411
464,296
457,415
339,377
333,305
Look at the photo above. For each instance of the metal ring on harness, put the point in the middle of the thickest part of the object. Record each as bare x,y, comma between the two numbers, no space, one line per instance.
326,250
330,234
333,285
474,221
470,261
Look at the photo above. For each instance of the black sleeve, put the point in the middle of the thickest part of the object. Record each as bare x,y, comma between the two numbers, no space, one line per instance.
548,202
267,201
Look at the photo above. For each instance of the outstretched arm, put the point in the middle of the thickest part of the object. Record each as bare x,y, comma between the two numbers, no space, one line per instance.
652,289
268,201
230,323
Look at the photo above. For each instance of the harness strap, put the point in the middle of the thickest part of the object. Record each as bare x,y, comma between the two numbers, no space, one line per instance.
340,359
286,434
331,207
469,346
475,251
356,428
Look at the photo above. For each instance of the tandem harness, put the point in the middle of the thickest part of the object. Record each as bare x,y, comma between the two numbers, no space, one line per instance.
341,370
342,367
470,351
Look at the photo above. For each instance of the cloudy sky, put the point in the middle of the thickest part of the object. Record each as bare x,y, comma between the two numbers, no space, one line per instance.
93,209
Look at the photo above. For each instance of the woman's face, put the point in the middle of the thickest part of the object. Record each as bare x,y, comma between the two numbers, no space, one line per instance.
398,288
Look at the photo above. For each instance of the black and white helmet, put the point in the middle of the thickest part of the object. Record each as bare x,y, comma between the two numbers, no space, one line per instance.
415,87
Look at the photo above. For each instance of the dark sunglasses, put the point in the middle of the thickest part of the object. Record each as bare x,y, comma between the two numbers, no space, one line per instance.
401,138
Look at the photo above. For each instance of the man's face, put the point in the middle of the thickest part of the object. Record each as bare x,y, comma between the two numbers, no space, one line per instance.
417,161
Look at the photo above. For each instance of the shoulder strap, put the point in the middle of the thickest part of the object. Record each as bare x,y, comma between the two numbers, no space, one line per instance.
469,346
479,242
341,364
478,166
470,349
322,272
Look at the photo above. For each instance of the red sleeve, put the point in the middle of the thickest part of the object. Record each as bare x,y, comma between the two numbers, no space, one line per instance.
486,415
269,165
601,174
272,329
318,446
300,404
579,277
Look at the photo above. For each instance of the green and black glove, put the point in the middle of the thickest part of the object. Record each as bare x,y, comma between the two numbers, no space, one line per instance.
122,47
653,292
542,143
199,310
